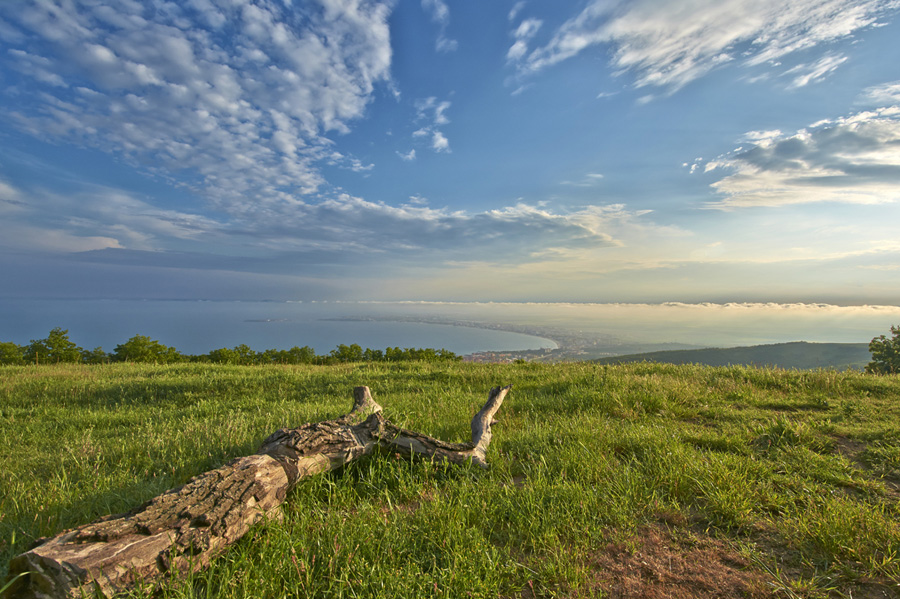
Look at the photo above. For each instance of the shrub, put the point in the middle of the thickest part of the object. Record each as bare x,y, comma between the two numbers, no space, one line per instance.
141,348
10,353
885,353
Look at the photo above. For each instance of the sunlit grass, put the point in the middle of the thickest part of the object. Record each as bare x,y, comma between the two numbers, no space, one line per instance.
797,469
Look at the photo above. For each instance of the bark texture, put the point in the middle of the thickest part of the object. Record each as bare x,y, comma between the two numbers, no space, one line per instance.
184,528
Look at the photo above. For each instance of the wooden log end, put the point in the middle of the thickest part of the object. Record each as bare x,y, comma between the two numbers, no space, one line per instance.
364,405
481,423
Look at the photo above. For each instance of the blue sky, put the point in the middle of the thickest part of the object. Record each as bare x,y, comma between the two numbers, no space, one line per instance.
591,151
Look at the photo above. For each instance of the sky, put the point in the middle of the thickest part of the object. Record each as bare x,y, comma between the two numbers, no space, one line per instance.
470,150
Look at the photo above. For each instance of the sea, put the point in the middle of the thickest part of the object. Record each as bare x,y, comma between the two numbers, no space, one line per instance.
197,327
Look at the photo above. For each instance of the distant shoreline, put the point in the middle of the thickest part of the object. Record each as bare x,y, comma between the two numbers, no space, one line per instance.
537,332
570,345
606,349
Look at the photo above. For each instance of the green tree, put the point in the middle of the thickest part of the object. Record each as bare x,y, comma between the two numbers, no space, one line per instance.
94,356
274,356
295,355
10,353
223,355
56,347
393,354
141,348
347,353
245,355
373,355
885,353
303,355
240,354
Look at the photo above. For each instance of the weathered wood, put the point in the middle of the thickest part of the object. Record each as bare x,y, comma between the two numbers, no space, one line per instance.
184,528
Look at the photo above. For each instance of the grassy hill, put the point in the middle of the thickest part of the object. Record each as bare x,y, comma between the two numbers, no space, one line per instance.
634,480
800,355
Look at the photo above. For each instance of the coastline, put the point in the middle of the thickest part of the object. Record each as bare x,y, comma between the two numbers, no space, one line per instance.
570,345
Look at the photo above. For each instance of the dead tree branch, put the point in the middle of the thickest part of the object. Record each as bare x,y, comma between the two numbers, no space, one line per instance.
183,529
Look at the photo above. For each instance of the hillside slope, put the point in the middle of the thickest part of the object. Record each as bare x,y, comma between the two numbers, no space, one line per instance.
636,480
801,355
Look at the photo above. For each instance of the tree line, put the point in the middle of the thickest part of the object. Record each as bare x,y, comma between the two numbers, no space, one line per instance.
58,348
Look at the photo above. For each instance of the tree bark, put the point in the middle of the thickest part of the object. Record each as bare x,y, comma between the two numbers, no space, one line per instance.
183,529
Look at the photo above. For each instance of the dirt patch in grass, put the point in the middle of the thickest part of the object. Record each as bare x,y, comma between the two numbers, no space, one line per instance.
853,451
656,564
850,449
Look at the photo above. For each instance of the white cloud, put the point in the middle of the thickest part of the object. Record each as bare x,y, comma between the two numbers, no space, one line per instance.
517,50
804,74
340,230
882,95
761,136
434,114
10,199
526,30
353,227
439,117
668,44
853,160
589,180
358,167
440,14
515,10
37,67
445,44
432,110
242,116
53,240
94,217
409,156
438,9
439,143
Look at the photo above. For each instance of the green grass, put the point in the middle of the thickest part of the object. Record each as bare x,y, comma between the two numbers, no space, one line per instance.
796,354
797,471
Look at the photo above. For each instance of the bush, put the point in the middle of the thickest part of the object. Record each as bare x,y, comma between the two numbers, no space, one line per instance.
241,354
141,348
10,353
885,353
95,356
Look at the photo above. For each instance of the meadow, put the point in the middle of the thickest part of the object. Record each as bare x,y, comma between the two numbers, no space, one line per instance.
634,480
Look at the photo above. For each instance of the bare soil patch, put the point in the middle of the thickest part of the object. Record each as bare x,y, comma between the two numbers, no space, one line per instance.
852,450
656,564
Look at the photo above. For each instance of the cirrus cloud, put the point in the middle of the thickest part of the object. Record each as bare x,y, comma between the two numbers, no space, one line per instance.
882,95
669,44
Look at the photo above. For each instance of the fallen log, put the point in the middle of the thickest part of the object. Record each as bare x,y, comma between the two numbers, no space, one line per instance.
183,529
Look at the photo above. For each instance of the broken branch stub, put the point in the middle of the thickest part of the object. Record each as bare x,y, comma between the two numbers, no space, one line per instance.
183,529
